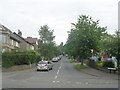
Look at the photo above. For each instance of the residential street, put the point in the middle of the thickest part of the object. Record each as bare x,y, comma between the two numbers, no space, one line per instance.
63,75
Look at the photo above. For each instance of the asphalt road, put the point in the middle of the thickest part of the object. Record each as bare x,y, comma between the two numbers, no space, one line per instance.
63,75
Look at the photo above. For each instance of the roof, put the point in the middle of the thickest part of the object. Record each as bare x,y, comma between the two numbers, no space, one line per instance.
8,31
23,39
31,40
13,36
5,28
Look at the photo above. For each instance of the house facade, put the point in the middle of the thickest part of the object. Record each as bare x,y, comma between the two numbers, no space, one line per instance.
24,44
33,41
10,41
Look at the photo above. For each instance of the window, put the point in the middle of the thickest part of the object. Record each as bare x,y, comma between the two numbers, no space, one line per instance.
32,47
12,42
2,38
17,44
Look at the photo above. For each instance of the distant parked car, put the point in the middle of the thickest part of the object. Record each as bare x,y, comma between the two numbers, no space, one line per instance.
44,65
55,59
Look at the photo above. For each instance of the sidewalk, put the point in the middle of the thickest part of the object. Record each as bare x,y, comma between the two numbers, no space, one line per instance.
99,73
107,71
18,68
99,69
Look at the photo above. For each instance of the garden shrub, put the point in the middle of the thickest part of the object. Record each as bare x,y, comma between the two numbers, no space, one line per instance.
91,63
19,58
100,63
108,64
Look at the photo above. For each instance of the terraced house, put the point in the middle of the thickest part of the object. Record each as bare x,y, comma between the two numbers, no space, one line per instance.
10,41
33,41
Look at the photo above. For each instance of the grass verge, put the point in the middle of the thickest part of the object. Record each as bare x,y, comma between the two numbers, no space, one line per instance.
73,61
79,66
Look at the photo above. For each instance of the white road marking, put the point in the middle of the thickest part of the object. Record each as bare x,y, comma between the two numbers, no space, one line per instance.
53,81
61,64
57,81
57,73
59,67
55,77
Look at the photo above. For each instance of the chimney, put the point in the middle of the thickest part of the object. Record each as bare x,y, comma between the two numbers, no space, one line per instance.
19,33
29,37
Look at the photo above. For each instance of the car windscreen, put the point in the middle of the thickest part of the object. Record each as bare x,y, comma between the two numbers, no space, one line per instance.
42,62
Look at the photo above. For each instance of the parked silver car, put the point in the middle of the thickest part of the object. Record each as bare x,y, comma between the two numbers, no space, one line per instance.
44,65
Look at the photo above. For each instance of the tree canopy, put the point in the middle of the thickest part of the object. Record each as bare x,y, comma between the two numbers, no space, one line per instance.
47,47
84,37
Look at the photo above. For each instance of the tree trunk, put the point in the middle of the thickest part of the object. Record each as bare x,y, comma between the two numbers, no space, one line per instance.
81,61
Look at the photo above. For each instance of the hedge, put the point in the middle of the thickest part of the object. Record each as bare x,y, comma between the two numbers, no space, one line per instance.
20,58
91,63
108,64
101,64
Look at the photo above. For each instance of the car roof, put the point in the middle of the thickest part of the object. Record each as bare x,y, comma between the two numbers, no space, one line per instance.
43,61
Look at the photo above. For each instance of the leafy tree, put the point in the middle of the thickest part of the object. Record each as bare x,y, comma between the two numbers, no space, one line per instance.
110,44
83,37
46,35
47,47
61,48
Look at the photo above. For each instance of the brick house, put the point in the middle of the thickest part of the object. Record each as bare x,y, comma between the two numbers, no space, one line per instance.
33,41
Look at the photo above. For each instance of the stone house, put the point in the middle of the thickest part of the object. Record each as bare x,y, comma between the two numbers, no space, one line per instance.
10,41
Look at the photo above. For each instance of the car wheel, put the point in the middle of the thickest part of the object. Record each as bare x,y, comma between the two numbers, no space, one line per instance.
48,69
51,68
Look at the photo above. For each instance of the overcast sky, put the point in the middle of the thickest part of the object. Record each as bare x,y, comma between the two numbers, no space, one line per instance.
29,15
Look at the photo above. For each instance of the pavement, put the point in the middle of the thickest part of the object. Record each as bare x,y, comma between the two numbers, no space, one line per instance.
63,75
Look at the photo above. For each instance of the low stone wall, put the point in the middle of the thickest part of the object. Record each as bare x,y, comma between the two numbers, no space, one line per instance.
18,68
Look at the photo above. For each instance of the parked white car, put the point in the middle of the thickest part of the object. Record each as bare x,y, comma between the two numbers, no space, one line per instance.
44,65
55,59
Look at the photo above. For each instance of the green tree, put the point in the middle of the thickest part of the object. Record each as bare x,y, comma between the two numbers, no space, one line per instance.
47,47
83,37
110,44
61,48
46,35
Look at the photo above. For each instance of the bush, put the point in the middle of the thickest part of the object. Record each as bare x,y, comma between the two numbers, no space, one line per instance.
79,66
91,63
100,63
108,64
7,60
19,58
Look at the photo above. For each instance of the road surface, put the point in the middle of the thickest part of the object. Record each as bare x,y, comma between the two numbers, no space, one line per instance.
63,75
